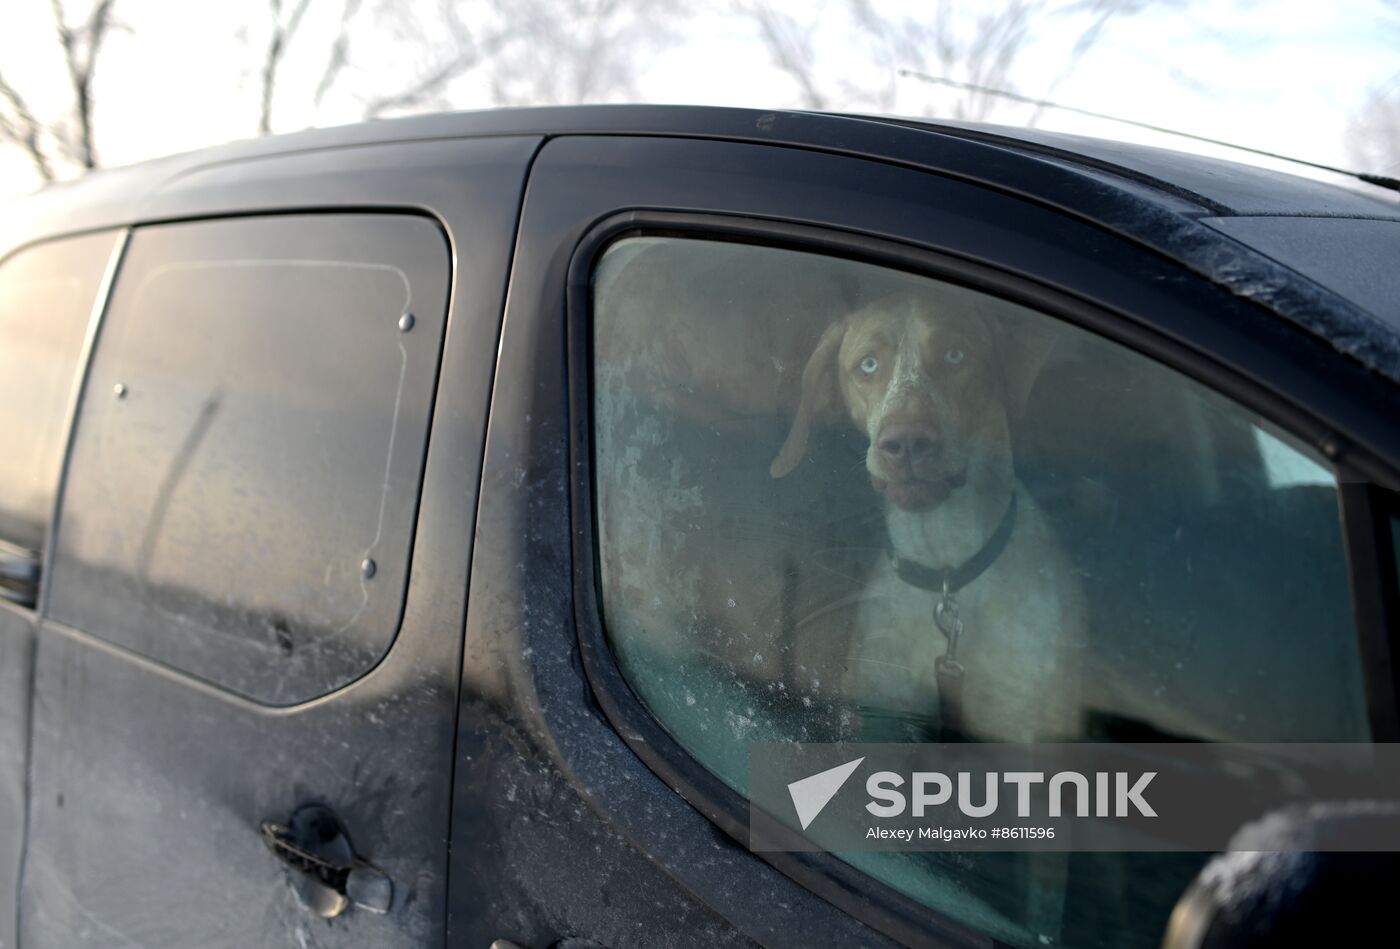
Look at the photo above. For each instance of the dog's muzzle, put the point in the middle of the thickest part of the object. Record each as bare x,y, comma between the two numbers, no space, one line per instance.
918,494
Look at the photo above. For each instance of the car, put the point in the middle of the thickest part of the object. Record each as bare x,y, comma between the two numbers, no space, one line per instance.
399,545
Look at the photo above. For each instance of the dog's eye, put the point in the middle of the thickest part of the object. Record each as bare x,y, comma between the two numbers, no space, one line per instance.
869,364
954,356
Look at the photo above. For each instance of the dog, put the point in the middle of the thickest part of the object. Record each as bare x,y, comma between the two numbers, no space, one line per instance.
934,379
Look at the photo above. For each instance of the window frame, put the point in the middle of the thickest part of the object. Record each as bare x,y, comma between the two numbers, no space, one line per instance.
1253,378
102,290
1367,511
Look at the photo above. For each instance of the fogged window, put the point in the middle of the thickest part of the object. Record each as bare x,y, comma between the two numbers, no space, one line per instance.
242,490
46,298
837,501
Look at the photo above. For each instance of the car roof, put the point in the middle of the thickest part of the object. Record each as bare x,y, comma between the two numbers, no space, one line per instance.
1230,187
1320,255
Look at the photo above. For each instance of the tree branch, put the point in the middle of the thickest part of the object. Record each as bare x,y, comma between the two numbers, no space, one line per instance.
24,130
427,86
282,34
339,56
791,53
81,47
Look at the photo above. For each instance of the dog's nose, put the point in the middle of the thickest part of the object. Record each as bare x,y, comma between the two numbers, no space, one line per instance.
906,443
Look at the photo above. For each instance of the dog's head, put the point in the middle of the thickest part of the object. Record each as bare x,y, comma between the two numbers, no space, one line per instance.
930,382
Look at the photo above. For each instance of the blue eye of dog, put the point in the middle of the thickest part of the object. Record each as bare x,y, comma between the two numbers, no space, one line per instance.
954,356
869,364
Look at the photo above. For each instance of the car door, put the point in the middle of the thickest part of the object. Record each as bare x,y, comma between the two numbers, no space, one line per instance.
245,666
656,586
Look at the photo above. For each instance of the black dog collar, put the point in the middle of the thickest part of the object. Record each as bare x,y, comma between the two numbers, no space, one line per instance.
952,579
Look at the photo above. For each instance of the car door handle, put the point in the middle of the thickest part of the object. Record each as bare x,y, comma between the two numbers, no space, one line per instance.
329,877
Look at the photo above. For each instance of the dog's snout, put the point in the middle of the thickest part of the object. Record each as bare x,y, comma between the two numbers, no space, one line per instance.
906,443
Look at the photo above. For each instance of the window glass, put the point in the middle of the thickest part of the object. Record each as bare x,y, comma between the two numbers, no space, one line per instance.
794,453
242,490
46,298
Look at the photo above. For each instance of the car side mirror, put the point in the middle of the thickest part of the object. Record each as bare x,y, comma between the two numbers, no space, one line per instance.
1296,877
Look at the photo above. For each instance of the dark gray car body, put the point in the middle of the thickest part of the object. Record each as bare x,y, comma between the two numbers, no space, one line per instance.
494,771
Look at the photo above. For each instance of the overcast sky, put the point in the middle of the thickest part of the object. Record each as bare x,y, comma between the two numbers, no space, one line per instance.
1283,75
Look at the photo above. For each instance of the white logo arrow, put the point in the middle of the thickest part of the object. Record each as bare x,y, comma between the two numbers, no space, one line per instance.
812,794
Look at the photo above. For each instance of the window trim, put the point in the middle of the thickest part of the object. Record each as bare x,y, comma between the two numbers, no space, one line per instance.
1366,511
98,306
853,891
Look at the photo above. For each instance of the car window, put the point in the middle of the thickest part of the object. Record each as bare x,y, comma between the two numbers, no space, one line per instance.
804,465
241,495
46,298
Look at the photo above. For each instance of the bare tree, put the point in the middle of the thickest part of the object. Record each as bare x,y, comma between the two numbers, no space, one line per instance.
789,45
568,51
981,48
80,48
460,39
284,27
440,48
456,53
424,48
69,138
18,126
339,56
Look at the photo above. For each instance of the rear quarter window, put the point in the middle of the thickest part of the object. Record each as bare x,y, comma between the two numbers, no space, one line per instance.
242,490
46,299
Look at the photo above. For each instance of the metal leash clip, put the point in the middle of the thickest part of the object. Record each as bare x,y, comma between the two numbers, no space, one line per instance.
949,621
948,670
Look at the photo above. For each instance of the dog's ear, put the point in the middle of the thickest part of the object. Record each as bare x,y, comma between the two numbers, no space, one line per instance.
818,398
1026,343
